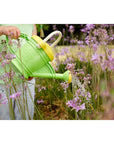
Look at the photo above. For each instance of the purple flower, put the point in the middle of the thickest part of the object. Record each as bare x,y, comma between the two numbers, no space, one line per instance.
5,62
71,29
111,38
82,107
95,96
8,86
104,65
82,59
78,92
54,27
40,101
9,75
76,104
1,95
56,68
108,64
3,100
90,26
83,30
65,39
80,42
41,88
69,103
71,67
73,41
95,58
10,56
95,32
64,86
104,25
88,96
15,95
68,60
86,80
63,30
109,51
95,47
64,51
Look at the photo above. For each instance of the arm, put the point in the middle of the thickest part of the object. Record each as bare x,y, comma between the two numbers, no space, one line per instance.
34,32
11,31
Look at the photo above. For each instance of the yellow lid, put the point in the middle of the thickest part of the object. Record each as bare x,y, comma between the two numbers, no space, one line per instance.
45,46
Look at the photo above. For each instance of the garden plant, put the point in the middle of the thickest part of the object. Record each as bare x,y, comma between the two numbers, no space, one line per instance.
90,58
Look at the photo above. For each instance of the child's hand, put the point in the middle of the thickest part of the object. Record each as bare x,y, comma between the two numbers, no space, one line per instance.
11,31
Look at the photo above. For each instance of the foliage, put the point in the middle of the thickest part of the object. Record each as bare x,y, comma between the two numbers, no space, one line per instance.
45,27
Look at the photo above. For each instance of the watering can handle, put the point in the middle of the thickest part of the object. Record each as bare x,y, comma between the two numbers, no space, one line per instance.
51,35
24,36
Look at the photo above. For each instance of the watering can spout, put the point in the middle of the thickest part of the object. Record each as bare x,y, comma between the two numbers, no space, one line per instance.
66,76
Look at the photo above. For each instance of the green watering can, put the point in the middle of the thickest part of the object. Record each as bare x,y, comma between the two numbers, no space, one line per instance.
32,59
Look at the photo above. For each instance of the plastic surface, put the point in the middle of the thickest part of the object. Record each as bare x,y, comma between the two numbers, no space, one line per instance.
33,61
44,46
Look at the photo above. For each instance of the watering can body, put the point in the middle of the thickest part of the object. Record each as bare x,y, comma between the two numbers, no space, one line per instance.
33,58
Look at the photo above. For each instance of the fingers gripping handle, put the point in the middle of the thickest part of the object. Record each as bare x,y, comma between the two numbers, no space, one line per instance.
24,36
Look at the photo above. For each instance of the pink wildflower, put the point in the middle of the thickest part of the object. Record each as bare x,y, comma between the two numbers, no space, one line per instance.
71,67
16,95
95,58
40,101
64,86
71,29
41,88
76,104
3,99
10,56
4,62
